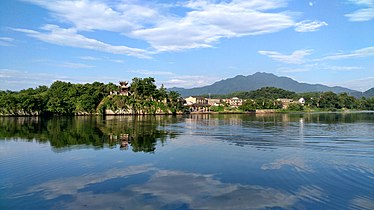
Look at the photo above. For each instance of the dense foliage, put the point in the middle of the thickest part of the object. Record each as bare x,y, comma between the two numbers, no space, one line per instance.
259,99
262,93
266,98
65,98
144,98
62,98
265,93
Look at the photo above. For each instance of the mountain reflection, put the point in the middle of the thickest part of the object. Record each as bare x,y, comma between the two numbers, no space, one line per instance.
138,133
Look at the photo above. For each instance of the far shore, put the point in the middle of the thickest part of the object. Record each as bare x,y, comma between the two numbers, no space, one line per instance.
260,112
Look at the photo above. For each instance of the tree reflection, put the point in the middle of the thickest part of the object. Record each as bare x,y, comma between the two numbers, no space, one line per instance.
138,133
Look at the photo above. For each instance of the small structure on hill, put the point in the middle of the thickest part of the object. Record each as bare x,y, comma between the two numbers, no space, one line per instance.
123,89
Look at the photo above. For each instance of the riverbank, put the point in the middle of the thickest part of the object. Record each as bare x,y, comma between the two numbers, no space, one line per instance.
120,113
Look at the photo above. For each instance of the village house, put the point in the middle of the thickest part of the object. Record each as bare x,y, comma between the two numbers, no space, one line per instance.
234,102
214,101
196,100
197,104
286,102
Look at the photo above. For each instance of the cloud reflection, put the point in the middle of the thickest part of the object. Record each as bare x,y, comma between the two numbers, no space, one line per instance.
169,189
296,162
70,186
362,202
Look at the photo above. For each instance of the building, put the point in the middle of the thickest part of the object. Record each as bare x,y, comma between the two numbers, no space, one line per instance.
197,104
286,102
214,102
234,102
196,100
123,89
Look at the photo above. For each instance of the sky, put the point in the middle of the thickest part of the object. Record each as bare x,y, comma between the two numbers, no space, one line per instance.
185,43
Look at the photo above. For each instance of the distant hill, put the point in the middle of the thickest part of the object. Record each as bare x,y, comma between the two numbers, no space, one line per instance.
369,93
259,80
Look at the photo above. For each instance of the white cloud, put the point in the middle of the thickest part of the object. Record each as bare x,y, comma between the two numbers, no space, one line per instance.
293,70
342,68
91,58
17,80
6,41
297,57
364,14
189,81
170,79
204,23
91,15
116,60
362,84
318,66
150,73
360,53
208,22
75,65
70,37
309,26
13,79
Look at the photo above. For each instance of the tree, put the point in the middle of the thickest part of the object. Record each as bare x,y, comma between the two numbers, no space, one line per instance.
346,101
329,100
174,102
295,107
248,105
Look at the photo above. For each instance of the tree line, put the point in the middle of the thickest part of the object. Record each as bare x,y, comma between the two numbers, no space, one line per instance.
65,98
265,98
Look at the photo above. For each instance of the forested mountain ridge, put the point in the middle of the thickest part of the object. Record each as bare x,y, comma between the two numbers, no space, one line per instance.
257,81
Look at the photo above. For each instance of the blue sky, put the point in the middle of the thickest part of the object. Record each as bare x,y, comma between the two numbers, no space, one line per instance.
186,43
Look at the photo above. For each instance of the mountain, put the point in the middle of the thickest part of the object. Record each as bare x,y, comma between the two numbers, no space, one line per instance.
369,93
256,81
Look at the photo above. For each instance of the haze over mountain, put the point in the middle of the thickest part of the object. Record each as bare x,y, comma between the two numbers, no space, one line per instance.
259,80
368,93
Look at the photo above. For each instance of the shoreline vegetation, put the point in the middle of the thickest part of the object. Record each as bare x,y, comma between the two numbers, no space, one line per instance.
143,97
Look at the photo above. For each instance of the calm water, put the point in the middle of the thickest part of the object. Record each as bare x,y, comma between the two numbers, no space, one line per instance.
282,161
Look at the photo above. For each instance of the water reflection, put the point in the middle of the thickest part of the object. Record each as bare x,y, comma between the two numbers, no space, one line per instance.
321,131
140,133
279,161
170,189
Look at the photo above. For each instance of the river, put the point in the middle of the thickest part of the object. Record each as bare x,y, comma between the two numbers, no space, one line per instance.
245,161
